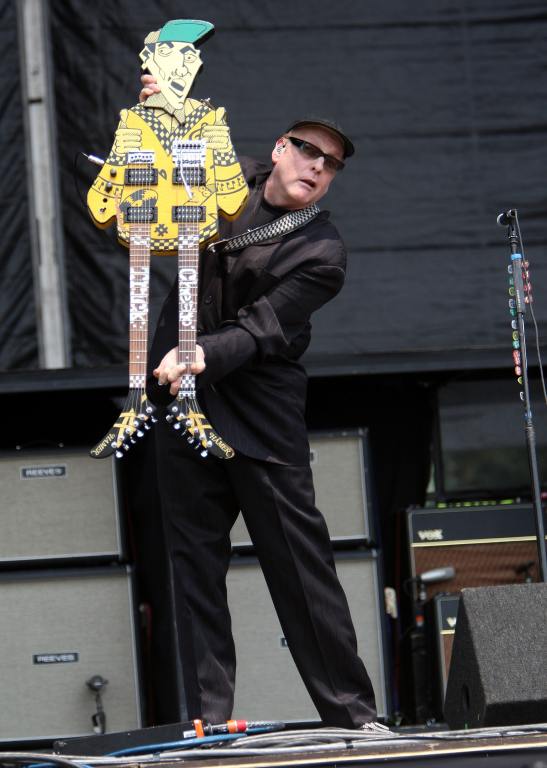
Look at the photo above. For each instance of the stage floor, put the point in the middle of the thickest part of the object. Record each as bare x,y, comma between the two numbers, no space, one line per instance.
507,747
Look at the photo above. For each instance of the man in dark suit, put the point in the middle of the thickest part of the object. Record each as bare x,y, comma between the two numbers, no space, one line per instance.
254,325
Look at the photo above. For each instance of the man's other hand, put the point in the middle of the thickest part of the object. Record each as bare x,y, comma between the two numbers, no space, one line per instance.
169,371
149,86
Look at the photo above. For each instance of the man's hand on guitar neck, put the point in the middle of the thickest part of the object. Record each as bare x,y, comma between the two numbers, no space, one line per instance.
169,371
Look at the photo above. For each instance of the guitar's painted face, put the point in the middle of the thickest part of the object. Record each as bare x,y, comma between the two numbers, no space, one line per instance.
175,66
298,180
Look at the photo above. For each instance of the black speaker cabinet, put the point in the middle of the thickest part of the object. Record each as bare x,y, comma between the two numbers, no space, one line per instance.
58,505
499,659
341,477
487,545
441,615
59,628
268,685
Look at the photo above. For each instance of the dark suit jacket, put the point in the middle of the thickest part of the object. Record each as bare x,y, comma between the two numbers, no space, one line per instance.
254,325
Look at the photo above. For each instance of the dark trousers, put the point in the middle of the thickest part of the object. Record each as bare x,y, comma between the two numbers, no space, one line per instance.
201,499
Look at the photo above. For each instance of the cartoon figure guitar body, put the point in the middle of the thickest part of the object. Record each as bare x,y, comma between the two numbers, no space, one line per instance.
171,171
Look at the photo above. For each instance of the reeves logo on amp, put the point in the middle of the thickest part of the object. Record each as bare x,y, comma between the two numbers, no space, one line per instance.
65,657
51,470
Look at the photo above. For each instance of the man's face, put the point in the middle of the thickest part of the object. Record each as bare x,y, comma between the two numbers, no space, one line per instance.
298,180
175,66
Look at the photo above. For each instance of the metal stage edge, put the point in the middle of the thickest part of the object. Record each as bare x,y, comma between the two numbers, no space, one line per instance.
500,747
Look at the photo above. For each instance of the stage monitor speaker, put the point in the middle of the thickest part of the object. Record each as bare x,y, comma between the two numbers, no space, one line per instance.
268,686
58,629
341,477
441,617
499,659
58,505
486,545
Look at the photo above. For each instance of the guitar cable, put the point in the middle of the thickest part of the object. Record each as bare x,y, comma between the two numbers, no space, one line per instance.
92,159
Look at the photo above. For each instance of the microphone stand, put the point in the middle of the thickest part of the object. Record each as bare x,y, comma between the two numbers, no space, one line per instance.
518,308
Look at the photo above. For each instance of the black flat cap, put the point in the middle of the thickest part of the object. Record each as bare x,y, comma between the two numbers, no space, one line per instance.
349,149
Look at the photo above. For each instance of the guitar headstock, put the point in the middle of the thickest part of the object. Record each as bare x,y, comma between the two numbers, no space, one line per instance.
131,425
185,417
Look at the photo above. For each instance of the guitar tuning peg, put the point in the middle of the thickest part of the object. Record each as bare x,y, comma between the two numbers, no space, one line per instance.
188,422
149,409
140,433
169,418
204,453
190,440
176,425
147,426
118,454
153,419
125,446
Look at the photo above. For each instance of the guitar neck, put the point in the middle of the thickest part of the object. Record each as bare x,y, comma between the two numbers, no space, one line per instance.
188,264
139,281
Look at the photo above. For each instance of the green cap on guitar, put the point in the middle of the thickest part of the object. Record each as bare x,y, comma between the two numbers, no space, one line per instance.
185,31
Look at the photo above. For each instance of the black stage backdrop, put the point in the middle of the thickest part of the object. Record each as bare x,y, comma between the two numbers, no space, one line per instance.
445,101
18,340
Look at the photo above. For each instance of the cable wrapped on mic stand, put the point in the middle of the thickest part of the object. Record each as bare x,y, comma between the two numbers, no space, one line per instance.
519,296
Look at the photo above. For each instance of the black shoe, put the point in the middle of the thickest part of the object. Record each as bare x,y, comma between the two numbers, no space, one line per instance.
375,729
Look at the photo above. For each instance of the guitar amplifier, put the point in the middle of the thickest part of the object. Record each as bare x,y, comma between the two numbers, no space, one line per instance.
268,686
486,545
58,629
341,476
58,505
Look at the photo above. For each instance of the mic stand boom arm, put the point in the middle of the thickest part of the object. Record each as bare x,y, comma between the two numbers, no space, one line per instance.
520,342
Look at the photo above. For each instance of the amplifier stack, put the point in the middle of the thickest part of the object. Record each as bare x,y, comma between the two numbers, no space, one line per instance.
68,646
481,546
268,685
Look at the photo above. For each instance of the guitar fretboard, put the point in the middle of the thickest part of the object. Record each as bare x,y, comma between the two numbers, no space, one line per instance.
139,280
188,263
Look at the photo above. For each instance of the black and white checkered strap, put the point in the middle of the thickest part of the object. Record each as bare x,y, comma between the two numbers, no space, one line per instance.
273,229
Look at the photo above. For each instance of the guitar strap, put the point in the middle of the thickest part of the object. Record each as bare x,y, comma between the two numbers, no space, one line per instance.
279,227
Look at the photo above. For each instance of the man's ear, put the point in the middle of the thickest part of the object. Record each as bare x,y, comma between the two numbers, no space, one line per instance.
279,148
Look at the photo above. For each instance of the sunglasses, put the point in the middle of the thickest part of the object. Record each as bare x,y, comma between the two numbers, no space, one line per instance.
310,150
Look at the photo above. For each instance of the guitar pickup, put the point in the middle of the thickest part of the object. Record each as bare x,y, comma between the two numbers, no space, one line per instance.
186,214
193,175
140,214
140,177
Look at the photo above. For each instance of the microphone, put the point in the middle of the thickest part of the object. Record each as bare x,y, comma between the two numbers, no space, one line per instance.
437,574
506,217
